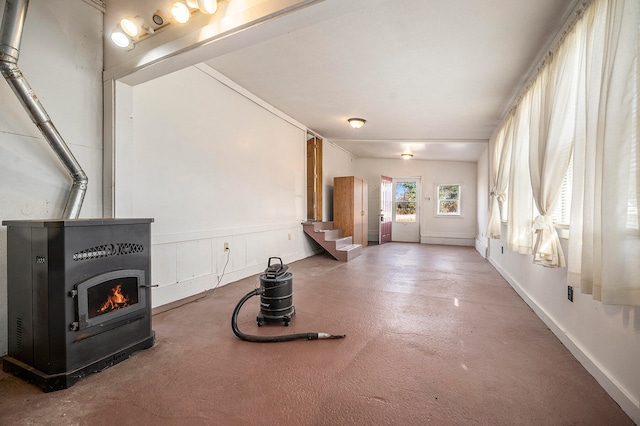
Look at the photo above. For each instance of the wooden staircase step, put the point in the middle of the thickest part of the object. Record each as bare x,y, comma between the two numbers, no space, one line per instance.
349,252
341,248
318,226
343,242
332,234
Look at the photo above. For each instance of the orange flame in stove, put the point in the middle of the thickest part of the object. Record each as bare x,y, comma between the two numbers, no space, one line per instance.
116,300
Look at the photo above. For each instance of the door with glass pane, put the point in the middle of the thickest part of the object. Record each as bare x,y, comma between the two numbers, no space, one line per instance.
406,210
386,209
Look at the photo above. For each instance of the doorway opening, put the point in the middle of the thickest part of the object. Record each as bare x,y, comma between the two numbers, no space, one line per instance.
406,210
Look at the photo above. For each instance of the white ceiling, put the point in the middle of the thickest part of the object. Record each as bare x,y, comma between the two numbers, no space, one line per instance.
431,76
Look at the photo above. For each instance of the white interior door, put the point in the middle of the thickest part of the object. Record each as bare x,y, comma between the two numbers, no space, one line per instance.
386,209
406,210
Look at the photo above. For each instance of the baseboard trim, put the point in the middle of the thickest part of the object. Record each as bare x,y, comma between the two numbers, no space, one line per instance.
482,247
448,241
626,401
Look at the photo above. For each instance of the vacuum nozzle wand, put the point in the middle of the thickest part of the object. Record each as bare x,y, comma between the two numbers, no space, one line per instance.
330,336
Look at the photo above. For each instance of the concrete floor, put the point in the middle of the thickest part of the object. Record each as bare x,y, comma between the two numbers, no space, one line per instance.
434,335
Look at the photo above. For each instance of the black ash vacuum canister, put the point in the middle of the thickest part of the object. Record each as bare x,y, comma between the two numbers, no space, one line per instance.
276,306
276,300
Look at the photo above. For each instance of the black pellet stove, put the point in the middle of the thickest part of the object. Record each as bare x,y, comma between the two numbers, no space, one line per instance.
79,297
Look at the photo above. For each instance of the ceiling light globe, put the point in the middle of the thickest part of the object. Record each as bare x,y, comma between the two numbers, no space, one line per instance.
193,4
356,123
180,12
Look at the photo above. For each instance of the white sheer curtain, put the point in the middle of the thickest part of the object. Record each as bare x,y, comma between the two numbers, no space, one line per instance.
585,97
520,204
552,132
604,243
501,162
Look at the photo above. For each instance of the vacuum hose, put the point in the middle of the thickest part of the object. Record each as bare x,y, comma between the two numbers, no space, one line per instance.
283,338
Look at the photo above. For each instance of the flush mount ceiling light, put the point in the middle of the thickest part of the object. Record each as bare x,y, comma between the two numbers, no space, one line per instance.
356,123
406,155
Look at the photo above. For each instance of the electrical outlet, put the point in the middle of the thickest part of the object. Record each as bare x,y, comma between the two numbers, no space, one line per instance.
226,246
570,293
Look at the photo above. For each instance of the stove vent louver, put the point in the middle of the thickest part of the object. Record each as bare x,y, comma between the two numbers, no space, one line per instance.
19,333
108,250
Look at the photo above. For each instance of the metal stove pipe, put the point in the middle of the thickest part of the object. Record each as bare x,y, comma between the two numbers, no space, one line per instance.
15,12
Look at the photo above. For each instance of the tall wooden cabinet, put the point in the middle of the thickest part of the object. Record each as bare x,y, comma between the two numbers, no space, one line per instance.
350,208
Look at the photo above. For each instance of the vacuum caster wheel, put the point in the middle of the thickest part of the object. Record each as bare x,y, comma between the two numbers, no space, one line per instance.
260,322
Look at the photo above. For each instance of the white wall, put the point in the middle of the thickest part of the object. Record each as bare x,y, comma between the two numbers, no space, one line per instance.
61,58
335,162
211,165
433,230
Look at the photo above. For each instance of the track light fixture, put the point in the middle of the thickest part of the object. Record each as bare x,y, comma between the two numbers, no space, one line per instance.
119,38
131,30
132,26
159,18
180,12
208,7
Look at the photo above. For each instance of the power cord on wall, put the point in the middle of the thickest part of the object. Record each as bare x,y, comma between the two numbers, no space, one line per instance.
223,269
207,293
